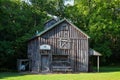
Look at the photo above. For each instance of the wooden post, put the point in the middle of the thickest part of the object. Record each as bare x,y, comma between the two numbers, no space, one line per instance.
97,63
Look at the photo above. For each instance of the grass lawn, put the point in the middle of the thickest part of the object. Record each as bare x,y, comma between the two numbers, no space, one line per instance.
107,73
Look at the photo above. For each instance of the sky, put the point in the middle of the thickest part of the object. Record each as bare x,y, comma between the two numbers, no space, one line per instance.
66,2
69,2
27,1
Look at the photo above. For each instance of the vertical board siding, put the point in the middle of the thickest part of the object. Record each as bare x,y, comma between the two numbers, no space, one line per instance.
78,52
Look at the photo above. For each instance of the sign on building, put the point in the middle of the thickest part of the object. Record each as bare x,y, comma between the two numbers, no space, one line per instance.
45,47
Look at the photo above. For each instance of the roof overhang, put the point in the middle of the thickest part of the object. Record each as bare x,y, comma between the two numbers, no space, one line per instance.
92,52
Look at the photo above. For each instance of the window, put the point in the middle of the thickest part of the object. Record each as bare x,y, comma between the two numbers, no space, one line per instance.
64,44
64,27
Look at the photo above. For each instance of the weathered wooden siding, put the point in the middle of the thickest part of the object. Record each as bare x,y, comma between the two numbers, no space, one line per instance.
78,51
33,55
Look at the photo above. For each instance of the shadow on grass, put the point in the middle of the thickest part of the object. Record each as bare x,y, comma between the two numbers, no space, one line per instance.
4,75
108,69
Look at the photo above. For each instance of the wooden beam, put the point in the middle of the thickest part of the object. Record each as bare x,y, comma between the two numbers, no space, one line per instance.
97,63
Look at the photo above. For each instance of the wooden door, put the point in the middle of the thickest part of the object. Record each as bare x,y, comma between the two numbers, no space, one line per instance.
45,63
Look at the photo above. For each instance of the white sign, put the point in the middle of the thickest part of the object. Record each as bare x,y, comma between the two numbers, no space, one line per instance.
45,47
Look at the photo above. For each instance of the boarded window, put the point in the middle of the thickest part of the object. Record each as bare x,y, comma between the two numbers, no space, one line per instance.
64,44
64,27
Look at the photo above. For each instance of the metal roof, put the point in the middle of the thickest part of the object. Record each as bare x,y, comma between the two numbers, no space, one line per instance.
54,25
92,52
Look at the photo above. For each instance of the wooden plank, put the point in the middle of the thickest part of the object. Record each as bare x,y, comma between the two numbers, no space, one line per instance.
97,63
39,56
78,52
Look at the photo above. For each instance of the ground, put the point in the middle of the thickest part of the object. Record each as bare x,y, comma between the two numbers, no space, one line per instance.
107,73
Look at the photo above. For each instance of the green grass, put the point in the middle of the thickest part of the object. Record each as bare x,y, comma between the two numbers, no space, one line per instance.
107,73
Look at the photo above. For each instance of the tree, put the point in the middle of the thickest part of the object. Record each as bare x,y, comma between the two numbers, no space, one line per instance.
19,22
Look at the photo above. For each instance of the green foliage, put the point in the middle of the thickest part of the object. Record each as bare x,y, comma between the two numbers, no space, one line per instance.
19,21
104,27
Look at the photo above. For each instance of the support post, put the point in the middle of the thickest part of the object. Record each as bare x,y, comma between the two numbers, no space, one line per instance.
97,63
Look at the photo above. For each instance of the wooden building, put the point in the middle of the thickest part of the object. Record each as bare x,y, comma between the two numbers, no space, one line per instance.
60,47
